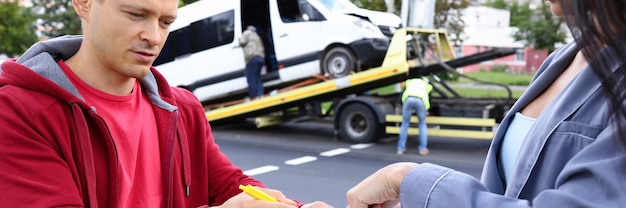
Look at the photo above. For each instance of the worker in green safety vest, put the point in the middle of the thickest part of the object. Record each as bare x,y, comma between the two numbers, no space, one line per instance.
415,97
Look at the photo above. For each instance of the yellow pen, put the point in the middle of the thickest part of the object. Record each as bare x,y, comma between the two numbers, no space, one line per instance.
256,193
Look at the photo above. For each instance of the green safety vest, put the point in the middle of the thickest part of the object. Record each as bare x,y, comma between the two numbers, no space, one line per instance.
418,87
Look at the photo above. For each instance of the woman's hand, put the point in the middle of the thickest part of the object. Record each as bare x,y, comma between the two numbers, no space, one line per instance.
381,189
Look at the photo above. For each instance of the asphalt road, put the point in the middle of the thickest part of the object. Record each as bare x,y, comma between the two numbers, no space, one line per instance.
307,163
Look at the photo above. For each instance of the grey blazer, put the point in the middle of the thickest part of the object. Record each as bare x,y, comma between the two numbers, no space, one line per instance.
572,156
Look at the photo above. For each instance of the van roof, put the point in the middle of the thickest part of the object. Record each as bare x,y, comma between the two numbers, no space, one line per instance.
200,10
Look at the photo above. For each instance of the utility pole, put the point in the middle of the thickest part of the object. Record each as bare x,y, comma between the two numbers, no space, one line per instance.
418,13
391,8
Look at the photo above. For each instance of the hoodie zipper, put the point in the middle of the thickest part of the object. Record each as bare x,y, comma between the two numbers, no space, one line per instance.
103,125
171,137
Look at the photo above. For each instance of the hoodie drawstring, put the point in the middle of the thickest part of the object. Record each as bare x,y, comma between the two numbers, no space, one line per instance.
184,150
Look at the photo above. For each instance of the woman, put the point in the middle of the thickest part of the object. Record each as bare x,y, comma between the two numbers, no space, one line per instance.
563,143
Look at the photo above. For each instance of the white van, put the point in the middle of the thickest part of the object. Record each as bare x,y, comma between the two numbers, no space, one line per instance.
301,37
386,22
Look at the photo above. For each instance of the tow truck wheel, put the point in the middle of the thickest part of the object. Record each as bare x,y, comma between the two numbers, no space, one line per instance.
357,124
338,62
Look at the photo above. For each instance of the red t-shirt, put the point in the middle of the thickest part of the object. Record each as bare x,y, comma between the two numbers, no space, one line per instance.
132,124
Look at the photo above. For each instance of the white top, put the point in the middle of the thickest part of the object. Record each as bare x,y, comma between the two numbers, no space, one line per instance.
512,142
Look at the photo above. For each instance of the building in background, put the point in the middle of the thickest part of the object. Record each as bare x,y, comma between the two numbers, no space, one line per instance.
487,28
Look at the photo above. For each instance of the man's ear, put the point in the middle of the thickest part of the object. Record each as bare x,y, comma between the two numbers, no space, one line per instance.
81,7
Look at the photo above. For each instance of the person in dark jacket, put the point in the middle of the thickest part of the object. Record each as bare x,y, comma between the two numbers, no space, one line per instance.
87,122
562,144
254,55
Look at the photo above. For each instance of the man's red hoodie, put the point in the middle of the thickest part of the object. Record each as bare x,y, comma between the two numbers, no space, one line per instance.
56,151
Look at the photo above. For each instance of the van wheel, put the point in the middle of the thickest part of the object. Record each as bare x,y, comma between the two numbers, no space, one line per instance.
338,62
358,124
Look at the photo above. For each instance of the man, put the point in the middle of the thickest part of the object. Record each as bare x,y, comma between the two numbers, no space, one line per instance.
87,122
415,97
255,60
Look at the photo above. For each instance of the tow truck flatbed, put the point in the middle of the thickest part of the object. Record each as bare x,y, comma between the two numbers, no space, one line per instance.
397,67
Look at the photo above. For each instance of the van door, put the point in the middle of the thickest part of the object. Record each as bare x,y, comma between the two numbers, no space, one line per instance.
297,34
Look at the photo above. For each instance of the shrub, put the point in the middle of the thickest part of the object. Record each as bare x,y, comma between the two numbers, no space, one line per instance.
499,68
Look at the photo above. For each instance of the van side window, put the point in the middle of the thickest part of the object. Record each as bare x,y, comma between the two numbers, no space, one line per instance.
182,38
309,12
288,10
213,31
203,34
167,53
298,11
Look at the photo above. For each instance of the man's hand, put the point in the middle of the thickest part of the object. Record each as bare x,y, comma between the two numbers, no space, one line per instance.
381,189
246,201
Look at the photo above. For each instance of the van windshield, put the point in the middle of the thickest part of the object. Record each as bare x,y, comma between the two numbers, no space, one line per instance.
338,5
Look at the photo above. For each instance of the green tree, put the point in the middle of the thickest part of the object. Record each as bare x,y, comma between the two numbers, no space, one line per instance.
57,18
498,4
520,14
448,15
185,2
541,32
17,28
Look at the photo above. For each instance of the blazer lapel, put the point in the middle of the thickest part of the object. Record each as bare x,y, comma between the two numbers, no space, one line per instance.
547,73
566,103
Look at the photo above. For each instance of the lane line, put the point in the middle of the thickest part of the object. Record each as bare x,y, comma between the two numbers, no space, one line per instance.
300,160
361,146
306,159
261,170
335,152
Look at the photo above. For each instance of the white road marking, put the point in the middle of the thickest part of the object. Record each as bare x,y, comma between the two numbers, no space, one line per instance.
306,159
300,160
335,152
361,146
261,170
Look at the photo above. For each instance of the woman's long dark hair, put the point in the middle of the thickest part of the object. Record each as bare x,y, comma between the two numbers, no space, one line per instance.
596,24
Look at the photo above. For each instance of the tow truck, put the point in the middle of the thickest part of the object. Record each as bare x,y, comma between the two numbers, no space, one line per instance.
359,117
